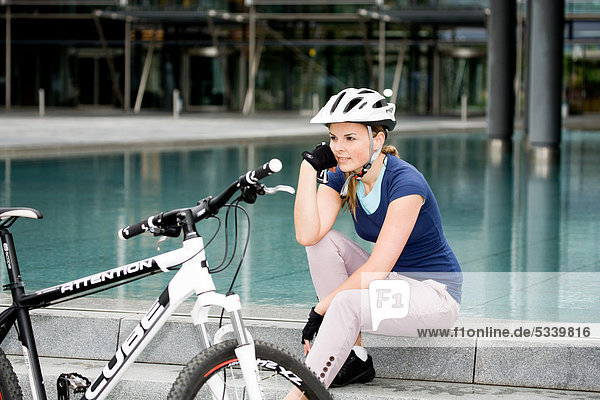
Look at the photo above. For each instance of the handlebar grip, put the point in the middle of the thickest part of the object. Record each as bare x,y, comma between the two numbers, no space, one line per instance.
263,171
137,229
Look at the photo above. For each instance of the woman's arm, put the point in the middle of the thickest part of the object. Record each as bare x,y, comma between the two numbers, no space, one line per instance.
314,211
399,222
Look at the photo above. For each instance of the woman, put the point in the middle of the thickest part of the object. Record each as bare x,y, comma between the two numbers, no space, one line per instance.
392,206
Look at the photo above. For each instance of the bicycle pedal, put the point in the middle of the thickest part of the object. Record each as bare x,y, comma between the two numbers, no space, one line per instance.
71,382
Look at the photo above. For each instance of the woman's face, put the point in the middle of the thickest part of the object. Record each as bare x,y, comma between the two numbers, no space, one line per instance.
349,142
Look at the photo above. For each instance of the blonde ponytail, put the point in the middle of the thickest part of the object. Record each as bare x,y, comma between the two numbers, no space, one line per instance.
391,150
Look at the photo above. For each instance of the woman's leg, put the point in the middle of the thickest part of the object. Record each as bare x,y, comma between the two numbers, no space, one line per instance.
332,260
430,306
337,334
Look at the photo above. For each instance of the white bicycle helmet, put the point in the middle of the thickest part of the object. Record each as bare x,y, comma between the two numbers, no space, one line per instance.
365,106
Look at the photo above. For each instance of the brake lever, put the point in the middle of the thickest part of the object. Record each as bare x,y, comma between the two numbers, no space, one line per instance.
170,232
162,239
279,188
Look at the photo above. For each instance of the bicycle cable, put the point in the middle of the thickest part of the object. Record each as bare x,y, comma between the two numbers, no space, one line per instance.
225,263
239,267
220,267
237,207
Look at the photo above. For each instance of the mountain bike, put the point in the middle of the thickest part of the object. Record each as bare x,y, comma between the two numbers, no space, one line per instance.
235,368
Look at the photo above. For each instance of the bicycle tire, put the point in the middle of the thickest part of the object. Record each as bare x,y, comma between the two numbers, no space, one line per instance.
9,383
274,363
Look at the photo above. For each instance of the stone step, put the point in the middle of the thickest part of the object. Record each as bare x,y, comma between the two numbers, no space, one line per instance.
552,364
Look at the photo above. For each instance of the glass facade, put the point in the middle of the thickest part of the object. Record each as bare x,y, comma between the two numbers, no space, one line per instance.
581,68
433,59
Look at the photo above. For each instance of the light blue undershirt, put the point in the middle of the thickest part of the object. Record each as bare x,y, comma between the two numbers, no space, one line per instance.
370,202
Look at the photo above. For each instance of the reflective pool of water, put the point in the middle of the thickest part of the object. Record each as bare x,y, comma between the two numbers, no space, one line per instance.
526,235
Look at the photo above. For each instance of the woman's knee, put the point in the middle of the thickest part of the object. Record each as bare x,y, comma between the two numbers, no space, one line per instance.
327,242
325,251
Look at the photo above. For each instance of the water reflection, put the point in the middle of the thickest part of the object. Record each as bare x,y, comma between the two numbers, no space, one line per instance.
517,228
521,223
499,210
542,250
521,217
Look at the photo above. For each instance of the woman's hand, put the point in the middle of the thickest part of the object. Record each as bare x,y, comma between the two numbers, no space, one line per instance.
311,328
321,158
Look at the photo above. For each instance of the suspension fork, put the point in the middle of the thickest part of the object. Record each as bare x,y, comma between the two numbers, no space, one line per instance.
231,304
24,328
245,351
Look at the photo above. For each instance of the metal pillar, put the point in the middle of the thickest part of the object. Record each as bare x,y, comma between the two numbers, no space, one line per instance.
127,67
413,72
544,109
145,72
381,52
109,59
96,80
501,70
519,63
227,98
398,74
527,83
248,107
436,77
7,78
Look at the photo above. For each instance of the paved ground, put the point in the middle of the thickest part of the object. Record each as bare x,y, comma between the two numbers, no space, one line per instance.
28,135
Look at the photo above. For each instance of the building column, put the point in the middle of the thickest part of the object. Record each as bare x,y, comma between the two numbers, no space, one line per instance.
527,84
381,51
127,66
436,78
249,105
546,52
7,75
501,70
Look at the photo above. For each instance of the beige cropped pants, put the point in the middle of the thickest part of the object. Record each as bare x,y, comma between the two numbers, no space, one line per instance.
331,261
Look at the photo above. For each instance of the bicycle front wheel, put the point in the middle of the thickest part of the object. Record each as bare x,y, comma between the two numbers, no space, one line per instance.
215,374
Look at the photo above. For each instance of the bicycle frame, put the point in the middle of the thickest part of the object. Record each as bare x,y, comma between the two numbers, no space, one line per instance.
192,278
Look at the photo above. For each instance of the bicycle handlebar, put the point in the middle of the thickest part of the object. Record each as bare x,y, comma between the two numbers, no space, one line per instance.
153,224
268,168
158,223
251,178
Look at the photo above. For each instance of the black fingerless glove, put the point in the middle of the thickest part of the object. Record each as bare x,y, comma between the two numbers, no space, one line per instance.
321,157
312,325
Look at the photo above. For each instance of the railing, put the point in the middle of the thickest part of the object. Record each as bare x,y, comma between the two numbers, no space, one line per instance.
63,2
571,6
309,2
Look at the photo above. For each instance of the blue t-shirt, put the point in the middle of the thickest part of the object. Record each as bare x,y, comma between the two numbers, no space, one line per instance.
426,254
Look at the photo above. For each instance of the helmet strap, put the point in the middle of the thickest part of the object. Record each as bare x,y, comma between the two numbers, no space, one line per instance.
374,156
365,168
344,191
